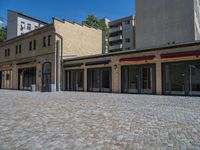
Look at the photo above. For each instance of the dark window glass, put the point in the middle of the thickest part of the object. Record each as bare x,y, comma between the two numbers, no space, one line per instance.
27,78
5,52
30,45
7,76
49,40
34,44
138,79
44,41
28,26
128,40
99,80
16,49
8,52
22,25
194,82
175,78
127,22
105,80
20,49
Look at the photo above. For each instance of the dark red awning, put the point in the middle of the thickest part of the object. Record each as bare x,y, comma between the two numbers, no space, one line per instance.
180,54
134,59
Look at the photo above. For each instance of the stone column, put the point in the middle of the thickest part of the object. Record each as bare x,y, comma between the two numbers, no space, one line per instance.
85,79
159,78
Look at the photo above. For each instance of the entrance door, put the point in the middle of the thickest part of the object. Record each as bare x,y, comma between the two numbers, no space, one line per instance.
106,80
46,77
146,80
74,80
26,78
99,80
131,79
138,79
0,79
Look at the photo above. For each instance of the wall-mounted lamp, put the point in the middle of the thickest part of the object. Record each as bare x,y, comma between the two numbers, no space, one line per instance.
115,66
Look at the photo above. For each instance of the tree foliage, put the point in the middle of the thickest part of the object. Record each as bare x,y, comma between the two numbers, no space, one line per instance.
94,22
3,34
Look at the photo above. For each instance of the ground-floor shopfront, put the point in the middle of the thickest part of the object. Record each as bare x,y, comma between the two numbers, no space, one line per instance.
6,75
173,71
26,78
30,75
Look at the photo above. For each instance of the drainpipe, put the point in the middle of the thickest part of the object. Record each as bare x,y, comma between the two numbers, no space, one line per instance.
59,62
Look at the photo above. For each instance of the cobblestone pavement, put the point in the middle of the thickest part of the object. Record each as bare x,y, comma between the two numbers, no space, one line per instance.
97,121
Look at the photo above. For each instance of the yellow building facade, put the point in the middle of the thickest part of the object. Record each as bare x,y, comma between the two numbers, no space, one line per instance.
34,60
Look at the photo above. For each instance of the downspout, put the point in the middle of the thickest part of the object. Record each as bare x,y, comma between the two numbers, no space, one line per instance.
59,62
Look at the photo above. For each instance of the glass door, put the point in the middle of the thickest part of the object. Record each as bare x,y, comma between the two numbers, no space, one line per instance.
99,80
74,80
147,77
194,79
138,79
133,80
79,81
105,80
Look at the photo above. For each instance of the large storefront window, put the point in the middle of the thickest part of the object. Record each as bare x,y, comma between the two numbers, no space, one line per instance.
138,79
181,78
6,79
194,78
26,78
74,80
175,79
99,80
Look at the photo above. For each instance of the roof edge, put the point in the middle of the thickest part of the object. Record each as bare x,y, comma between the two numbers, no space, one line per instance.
134,51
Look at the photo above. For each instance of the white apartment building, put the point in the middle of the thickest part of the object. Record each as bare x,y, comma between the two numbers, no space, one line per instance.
19,23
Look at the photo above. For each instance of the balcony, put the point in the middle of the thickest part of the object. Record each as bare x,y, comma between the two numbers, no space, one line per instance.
115,38
115,47
115,29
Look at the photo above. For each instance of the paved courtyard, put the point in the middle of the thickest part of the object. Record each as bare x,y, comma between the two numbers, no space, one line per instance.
97,121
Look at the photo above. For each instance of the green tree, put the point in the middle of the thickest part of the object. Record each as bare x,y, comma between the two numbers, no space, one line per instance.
94,22
3,34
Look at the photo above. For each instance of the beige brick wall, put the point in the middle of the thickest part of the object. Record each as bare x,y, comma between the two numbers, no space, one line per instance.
24,41
40,54
78,40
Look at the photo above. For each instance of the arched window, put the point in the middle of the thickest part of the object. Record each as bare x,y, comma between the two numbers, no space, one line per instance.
46,77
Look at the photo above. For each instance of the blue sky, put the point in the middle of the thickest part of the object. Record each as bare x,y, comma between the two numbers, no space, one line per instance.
73,10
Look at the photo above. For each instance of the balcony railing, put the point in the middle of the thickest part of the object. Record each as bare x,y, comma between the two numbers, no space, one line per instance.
115,47
115,29
115,38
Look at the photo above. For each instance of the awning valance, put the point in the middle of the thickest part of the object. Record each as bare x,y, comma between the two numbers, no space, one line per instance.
102,62
23,62
73,65
134,59
180,54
